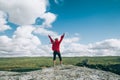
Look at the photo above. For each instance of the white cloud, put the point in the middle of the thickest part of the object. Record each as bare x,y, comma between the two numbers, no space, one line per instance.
76,34
30,45
5,45
24,31
3,22
59,2
109,47
26,11
71,40
49,18
45,32
4,40
107,44
25,42
72,47
106,47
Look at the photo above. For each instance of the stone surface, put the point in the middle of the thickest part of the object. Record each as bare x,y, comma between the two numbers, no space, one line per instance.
65,72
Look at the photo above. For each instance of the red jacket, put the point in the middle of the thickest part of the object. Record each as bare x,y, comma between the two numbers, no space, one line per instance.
56,43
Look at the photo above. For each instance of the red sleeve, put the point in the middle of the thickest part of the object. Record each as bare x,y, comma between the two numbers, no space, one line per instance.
62,38
50,39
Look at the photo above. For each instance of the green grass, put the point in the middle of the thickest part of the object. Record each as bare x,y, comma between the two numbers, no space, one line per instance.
22,64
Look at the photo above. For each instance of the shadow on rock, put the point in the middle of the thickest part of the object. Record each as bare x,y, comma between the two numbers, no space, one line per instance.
112,68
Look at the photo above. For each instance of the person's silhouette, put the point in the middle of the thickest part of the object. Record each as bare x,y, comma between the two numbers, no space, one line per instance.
56,48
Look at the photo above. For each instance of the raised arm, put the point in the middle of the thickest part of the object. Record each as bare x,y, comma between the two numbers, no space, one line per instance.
62,37
50,39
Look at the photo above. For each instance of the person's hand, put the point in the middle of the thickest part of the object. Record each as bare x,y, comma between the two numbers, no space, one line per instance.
63,35
48,35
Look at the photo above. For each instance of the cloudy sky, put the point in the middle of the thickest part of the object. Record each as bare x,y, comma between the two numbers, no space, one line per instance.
91,27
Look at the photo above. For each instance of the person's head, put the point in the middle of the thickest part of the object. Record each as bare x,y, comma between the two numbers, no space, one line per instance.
56,39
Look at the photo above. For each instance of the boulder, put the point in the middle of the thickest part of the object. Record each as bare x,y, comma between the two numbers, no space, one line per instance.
64,72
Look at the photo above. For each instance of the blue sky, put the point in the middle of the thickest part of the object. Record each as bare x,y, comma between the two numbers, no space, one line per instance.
94,20
91,27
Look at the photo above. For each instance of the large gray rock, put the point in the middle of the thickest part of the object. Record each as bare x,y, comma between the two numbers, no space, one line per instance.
65,72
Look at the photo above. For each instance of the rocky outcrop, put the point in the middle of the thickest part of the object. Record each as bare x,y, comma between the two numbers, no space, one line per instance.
65,72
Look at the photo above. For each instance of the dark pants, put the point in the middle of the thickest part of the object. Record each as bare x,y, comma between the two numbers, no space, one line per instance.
57,53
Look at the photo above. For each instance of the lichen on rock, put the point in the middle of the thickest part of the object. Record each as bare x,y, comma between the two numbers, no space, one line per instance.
64,72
